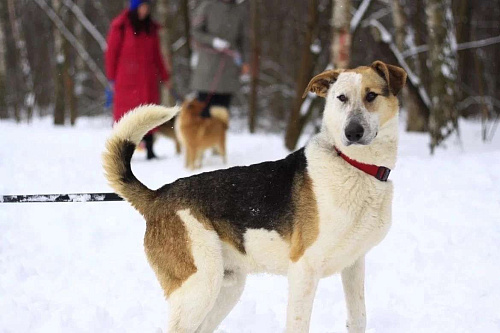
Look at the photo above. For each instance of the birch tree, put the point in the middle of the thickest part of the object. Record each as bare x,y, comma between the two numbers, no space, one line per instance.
443,67
341,44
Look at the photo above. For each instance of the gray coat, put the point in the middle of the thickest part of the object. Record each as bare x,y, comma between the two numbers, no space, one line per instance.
215,71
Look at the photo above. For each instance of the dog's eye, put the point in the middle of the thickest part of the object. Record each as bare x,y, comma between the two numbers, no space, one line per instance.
342,98
371,96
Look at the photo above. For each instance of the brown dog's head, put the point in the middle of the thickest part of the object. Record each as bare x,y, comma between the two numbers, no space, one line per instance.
193,107
360,101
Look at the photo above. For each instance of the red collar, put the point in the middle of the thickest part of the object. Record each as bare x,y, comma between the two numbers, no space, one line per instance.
379,172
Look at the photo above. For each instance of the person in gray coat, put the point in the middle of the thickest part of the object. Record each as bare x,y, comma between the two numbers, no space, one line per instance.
219,35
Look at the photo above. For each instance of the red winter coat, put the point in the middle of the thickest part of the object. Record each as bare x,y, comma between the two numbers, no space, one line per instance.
136,65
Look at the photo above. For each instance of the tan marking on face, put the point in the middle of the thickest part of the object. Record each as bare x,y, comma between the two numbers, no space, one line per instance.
385,104
306,218
168,249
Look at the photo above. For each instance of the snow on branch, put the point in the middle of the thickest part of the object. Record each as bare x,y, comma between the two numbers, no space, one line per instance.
471,100
462,46
358,15
414,79
176,46
84,55
479,43
80,16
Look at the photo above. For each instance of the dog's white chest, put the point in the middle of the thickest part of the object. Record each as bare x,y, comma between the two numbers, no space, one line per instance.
344,237
353,219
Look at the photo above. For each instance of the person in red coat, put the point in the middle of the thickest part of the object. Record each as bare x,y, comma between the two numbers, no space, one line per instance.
134,64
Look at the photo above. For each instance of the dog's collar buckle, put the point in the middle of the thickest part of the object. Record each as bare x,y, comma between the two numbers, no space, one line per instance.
383,173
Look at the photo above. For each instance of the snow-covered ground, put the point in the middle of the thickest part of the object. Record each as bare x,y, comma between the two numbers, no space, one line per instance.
80,267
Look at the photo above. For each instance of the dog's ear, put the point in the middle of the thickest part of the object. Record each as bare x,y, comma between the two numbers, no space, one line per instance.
394,76
321,82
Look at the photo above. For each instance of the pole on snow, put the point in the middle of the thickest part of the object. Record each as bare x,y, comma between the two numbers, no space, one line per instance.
75,197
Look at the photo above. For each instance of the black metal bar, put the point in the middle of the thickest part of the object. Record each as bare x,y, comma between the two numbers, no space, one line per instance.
74,197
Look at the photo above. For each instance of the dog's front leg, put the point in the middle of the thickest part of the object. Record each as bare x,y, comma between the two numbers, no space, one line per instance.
302,283
353,280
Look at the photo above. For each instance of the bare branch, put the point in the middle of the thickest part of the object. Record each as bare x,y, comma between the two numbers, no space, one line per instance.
358,15
462,46
471,100
478,43
80,16
84,55
415,80
178,44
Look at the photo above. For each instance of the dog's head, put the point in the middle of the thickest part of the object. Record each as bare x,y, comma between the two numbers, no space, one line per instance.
358,101
193,107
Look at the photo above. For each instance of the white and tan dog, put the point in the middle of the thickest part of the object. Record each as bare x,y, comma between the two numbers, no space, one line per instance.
310,215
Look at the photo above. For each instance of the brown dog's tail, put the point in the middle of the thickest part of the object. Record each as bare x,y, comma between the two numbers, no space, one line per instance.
221,113
120,147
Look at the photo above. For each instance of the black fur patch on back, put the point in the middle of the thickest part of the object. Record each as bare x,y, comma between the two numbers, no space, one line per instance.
240,198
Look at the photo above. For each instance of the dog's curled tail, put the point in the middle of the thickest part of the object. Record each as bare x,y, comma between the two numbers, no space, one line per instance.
221,113
127,133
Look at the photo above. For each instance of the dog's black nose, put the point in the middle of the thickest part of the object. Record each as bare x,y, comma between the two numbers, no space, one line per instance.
354,132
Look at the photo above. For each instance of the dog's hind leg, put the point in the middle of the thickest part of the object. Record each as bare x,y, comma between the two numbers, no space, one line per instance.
198,158
353,278
190,157
221,148
177,146
232,288
195,298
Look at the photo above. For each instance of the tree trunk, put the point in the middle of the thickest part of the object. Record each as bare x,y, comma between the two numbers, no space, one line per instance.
81,73
59,105
4,112
297,121
166,22
417,112
17,32
255,63
442,55
466,72
341,44
420,33
14,96
68,75
187,26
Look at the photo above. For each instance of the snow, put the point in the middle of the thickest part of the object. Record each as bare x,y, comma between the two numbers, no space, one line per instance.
80,267
316,47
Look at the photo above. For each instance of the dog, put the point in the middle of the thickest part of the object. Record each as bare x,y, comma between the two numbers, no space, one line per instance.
197,134
167,130
310,215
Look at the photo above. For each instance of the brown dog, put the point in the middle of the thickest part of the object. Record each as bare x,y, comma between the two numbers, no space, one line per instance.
167,130
197,134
